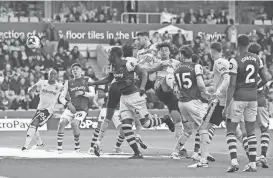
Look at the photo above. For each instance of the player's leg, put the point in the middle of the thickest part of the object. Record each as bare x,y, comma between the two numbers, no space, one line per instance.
234,116
191,110
242,136
137,133
250,114
112,103
206,130
39,119
171,101
120,140
126,116
39,141
65,118
263,121
75,125
138,105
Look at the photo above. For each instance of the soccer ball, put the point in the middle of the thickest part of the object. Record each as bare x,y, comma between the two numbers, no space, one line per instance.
33,42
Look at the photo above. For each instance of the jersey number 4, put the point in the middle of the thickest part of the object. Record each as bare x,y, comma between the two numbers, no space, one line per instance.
184,80
250,69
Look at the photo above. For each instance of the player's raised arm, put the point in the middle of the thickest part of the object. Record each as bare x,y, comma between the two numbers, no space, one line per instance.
133,66
34,87
108,79
233,66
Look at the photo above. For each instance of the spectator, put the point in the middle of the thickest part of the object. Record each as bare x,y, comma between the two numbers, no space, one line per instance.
63,42
115,16
210,20
5,103
75,13
14,84
231,34
166,17
48,48
132,6
90,73
166,37
190,17
101,19
49,62
212,14
179,39
51,33
15,104
156,39
70,18
200,17
115,42
181,18
90,17
15,59
223,17
67,75
106,14
76,53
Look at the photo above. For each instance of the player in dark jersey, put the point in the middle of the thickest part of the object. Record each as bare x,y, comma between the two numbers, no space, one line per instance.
77,108
187,81
132,101
111,106
262,113
241,103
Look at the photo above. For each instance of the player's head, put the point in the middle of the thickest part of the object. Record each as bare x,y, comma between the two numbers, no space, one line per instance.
165,50
196,59
186,53
52,76
216,50
127,50
254,48
115,55
243,42
76,70
143,38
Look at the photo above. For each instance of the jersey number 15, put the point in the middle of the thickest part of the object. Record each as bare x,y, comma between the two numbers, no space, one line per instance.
183,80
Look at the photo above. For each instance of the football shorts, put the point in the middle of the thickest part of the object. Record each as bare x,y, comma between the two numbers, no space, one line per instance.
114,96
214,113
239,111
41,116
168,98
79,115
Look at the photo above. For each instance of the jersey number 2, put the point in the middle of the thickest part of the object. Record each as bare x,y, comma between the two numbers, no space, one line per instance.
250,69
185,80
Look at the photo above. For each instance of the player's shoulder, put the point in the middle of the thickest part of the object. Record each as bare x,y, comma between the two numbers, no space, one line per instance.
198,69
131,63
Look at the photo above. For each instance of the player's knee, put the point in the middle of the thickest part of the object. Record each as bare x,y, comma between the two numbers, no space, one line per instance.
144,121
121,132
188,130
264,129
175,116
35,123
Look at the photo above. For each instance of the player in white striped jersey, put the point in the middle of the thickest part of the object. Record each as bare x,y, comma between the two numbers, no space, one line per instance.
214,112
49,92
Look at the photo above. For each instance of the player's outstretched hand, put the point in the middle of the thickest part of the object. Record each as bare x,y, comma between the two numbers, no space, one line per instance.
71,107
79,93
141,91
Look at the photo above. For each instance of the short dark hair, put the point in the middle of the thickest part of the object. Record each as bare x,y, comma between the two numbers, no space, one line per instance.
76,64
243,40
196,59
165,44
186,51
216,46
127,50
254,48
143,33
117,51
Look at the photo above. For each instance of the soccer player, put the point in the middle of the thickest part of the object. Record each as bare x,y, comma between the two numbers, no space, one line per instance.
49,92
162,68
241,103
132,101
214,113
188,82
262,113
111,108
80,93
